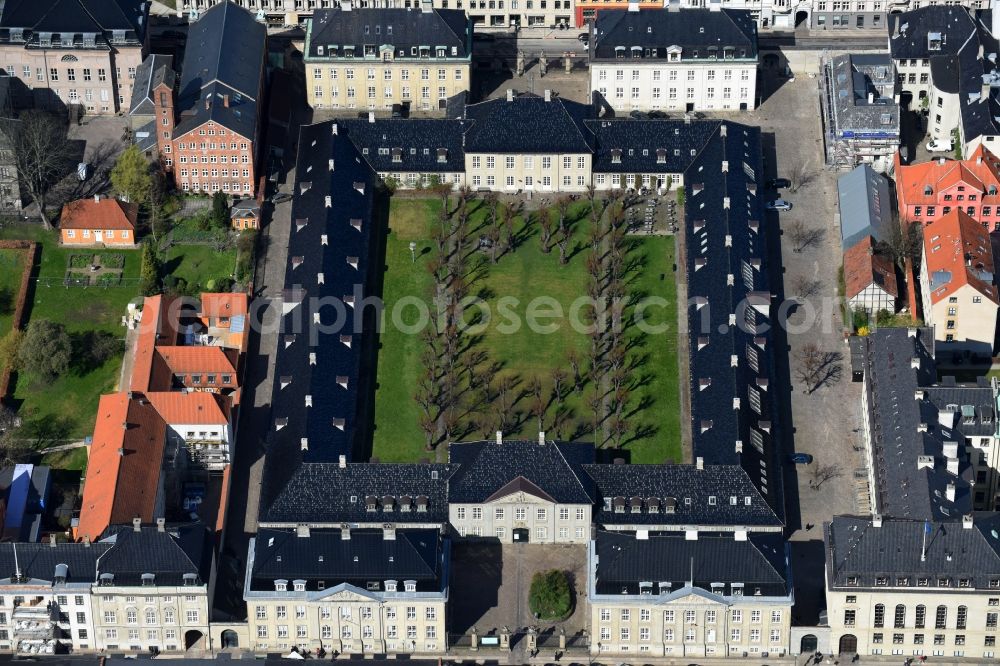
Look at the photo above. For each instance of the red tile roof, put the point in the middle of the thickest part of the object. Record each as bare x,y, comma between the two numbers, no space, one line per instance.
157,326
958,248
862,267
185,360
223,305
123,474
196,408
980,170
102,213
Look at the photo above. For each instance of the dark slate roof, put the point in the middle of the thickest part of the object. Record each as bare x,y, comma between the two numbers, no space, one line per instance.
855,547
759,562
528,125
853,80
330,494
972,409
418,143
349,187
715,495
38,561
483,468
636,146
904,489
179,550
76,17
224,57
324,555
702,34
728,362
396,29
954,24
155,70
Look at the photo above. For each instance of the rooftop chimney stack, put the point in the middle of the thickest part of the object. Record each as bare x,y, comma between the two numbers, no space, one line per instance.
499,436
949,492
161,525
510,95
97,198
137,524
541,438
699,462
342,462
548,95
876,520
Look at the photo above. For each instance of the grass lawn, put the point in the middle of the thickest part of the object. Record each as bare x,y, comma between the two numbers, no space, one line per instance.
11,267
526,354
197,264
67,407
71,459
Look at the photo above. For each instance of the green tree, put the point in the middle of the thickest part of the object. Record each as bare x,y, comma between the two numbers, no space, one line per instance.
9,346
220,210
46,349
130,176
550,597
149,273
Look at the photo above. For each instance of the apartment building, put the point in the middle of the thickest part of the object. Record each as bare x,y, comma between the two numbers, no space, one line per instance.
45,599
200,421
348,591
956,279
925,192
695,595
208,134
674,59
375,58
860,111
74,53
152,589
913,588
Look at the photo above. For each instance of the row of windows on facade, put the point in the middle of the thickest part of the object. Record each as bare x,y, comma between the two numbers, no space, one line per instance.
669,504
151,616
657,93
985,211
131,634
676,55
690,635
501,532
919,617
347,632
281,585
600,179
373,51
529,181
690,616
214,146
347,613
351,92
214,187
520,513
102,73
67,40
387,74
215,173
107,233
727,74
529,162
842,20
939,639
925,581
444,4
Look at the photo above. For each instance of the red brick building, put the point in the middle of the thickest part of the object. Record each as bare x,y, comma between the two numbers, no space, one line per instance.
208,133
926,192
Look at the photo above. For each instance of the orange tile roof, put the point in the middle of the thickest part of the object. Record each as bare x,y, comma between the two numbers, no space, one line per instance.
195,408
980,170
123,474
157,326
224,305
958,253
863,267
103,213
184,360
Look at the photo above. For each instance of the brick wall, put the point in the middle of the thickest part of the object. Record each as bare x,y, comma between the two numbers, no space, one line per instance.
20,306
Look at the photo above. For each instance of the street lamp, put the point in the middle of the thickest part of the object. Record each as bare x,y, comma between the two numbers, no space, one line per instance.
413,252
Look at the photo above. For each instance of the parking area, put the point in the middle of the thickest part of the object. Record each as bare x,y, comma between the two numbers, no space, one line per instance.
500,576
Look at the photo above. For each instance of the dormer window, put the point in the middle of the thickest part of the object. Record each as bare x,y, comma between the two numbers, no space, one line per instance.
299,585
934,41
390,586
281,585
190,579
148,580
107,579
410,585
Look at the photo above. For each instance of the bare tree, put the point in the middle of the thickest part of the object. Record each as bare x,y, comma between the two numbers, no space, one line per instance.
804,287
558,383
816,367
41,153
798,174
823,473
902,243
803,237
546,225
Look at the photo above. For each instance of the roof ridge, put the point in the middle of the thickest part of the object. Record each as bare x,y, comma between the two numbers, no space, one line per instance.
576,476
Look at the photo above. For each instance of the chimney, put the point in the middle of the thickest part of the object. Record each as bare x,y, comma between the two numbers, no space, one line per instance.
499,437
426,6
161,525
86,541
876,520
510,95
52,540
345,533
388,532
225,101
541,438
97,198
871,98
967,521
548,95
371,116
633,5
949,492
137,524
302,530
699,463
342,462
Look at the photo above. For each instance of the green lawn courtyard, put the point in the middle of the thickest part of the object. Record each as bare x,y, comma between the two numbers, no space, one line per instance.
526,274
11,267
67,407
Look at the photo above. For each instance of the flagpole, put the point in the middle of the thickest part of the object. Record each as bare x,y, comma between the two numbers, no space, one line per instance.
923,546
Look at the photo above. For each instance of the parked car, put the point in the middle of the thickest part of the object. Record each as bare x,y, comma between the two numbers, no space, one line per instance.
778,183
637,115
658,115
939,146
779,204
281,197
800,458
584,37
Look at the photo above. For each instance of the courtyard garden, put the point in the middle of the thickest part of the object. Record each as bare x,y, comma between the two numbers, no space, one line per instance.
529,352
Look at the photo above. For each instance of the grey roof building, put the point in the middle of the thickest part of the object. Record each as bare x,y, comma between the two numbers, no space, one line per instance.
862,117
863,552
917,467
178,555
403,33
672,565
156,70
79,24
40,562
692,33
527,124
866,209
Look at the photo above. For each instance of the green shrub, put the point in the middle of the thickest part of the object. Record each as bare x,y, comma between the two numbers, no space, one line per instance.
550,597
